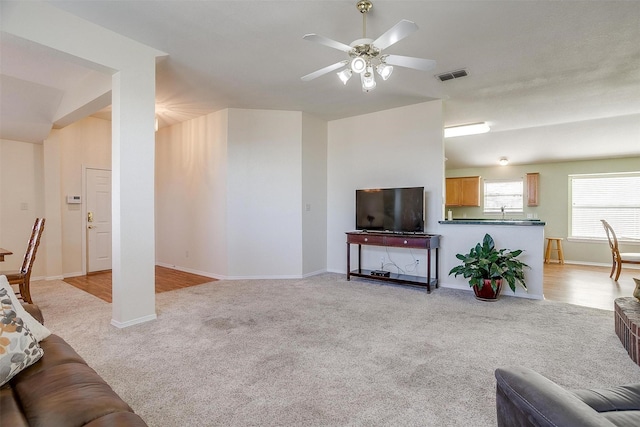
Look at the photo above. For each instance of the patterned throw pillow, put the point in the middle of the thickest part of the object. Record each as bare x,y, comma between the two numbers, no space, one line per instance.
18,347
37,329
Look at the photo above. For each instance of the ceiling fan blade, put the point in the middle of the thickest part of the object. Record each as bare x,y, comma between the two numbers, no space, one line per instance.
327,42
396,33
410,62
323,71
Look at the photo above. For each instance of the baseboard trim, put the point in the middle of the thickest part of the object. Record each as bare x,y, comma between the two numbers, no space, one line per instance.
314,273
600,264
283,277
132,322
76,274
220,277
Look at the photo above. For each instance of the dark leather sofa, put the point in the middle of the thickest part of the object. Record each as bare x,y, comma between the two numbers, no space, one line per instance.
526,398
61,390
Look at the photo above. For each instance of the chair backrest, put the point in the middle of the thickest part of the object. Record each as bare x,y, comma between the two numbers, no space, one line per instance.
32,247
611,236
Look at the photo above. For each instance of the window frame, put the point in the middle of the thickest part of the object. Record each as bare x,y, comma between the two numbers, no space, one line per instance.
623,238
518,210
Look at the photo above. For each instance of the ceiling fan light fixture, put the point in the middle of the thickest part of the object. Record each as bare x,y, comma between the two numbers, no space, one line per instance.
463,130
384,71
358,65
368,80
345,75
366,54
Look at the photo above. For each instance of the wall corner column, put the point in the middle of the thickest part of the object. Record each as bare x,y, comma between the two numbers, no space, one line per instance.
133,163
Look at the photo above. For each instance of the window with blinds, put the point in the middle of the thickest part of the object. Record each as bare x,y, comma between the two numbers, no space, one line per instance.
612,197
503,194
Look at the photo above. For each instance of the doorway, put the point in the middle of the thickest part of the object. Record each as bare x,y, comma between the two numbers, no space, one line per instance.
98,219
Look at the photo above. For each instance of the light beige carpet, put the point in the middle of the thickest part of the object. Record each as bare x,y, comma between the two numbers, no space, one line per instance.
326,352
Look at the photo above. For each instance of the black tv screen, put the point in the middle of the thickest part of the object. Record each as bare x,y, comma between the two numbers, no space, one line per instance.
390,209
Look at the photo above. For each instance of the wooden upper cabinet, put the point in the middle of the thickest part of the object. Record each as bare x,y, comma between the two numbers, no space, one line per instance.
463,191
454,191
533,180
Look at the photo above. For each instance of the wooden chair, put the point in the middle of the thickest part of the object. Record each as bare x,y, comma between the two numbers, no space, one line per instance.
618,257
22,277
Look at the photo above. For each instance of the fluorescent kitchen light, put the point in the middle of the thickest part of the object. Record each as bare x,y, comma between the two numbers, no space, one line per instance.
470,129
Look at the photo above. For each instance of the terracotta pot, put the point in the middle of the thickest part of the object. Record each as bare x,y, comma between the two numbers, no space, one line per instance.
486,293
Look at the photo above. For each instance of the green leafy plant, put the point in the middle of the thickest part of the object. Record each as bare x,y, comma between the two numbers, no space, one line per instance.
484,261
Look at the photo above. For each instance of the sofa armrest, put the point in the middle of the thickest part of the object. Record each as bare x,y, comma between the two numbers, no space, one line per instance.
526,398
34,311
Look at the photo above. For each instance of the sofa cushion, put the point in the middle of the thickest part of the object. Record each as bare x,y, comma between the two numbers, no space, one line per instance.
10,410
70,394
57,351
622,418
18,347
37,329
618,398
114,419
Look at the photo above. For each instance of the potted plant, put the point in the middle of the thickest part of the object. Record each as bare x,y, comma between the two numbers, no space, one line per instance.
487,267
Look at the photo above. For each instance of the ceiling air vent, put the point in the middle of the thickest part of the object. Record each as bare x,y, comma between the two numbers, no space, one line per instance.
452,75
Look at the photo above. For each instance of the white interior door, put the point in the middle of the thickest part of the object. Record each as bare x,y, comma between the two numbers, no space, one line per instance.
98,219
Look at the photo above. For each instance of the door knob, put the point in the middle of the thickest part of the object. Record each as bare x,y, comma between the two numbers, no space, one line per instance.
91,227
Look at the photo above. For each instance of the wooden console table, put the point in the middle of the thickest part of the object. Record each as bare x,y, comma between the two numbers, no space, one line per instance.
412,241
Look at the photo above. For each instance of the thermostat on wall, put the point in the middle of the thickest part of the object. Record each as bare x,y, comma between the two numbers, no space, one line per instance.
74,200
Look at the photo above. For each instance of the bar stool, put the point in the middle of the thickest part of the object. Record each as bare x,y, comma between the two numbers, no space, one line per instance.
558,249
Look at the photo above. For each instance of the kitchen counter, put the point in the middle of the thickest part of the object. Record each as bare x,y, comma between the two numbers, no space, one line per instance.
460,235
482,221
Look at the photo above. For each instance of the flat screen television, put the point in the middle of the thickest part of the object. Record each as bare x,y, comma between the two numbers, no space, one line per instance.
399,210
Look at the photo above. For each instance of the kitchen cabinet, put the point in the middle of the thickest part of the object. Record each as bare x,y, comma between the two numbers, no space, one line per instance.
463,191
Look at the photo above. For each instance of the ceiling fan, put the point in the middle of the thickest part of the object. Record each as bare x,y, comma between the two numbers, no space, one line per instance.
366,54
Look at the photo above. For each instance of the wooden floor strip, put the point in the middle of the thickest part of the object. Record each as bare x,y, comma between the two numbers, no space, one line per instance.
167,279
587,285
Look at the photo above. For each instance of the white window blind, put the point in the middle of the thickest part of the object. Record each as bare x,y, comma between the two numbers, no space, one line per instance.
612,197
507,194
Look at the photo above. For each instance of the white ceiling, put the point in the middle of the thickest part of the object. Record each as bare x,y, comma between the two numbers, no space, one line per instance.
555,80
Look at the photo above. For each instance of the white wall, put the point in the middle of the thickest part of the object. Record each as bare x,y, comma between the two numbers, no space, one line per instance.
21,202
191,195
229,194
402,147
53,202
264,203
314,195
84,143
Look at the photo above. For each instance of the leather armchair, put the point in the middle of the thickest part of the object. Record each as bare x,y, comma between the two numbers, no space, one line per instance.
526,398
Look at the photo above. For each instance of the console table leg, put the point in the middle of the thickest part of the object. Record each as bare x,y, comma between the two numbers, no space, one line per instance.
348,261
437,279
429,270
